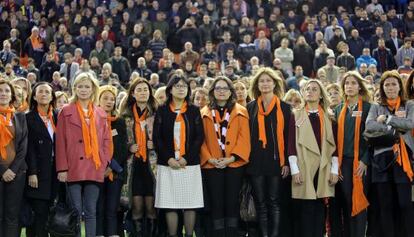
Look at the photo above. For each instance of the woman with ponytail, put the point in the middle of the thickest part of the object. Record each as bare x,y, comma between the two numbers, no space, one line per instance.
392,170
268,167
313,161
109,197
138,109
13,149
353,154
83,148
42,183
178,136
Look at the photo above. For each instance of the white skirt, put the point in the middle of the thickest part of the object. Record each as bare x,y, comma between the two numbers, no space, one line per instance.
179,189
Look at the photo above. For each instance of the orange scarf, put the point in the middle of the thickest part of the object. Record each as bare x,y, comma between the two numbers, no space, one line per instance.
280,125
180,119
5,135
49,116
110,119
23,107
359,201
36,42
140,135
89,134
321,120
401,149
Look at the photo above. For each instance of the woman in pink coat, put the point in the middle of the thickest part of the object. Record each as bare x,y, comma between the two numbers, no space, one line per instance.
82,148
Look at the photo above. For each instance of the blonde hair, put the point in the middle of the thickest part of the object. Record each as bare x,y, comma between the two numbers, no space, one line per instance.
279,85
363,90
324,100
294,93
85,76
114,91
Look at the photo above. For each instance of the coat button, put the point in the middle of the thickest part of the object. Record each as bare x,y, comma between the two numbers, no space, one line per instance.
227,143
81,158
80,141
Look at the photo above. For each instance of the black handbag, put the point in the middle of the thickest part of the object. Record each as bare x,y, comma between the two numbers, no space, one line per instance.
247,208
64,219
382,139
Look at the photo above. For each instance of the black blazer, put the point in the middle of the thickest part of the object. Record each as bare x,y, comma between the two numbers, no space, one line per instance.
164,134
20,143
40,157
120,141
261,161
390,44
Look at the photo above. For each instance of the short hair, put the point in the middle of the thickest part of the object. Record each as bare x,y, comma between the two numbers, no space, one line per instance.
85,76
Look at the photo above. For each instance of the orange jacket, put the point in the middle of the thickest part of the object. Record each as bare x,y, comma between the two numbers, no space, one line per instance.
237,138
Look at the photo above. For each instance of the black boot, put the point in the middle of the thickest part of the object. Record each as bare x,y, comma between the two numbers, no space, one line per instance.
138,228
275,215
151,228
231,227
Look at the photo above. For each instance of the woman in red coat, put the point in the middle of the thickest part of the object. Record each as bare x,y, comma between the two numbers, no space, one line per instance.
82,148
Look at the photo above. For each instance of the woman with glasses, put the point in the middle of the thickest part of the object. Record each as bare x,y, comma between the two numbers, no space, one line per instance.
178,136
224,154
269,117
313,161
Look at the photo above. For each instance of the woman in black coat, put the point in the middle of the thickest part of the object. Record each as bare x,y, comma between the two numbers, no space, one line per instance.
13,148
42,181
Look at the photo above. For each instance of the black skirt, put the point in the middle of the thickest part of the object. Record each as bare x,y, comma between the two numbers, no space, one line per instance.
142,180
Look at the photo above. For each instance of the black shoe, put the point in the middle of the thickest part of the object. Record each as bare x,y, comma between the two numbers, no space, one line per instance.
138,228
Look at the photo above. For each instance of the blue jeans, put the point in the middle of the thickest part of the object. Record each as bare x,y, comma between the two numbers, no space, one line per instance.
86,194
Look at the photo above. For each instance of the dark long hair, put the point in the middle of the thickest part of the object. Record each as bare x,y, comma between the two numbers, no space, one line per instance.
401,93
33,102
409,86
174,79
232,99
129,102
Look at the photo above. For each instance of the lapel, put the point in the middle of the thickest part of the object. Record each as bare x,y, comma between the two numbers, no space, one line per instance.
73,115
328,142
17,131
42,128
306,136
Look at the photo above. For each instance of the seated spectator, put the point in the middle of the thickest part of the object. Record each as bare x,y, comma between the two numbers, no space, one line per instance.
67,47
69,68
405,51
189,55
229,72
384,57
6,54
263,54
48,69
293,82
285,55
365,58
100,53
406,67
212,69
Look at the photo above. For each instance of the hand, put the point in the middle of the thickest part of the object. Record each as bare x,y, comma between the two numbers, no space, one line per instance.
213,162
150,145
107,172
173,163
297,178
33,181
333,179
63,176
362,169
133,148
381,118
182,162
224,162
9,175
285,171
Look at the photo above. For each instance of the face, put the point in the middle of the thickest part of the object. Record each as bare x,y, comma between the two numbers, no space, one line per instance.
265,84
294,101
180,90
241,91
141,93
351,86
84,90
60,102
222,91
312,92
334,97
5,95
23,85
43,95
107,101
391,88
200,99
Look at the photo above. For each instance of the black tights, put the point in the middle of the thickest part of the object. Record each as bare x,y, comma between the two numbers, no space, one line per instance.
173,218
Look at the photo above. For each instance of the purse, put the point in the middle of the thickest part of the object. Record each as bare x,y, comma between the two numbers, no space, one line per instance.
64,219
382,139
247,208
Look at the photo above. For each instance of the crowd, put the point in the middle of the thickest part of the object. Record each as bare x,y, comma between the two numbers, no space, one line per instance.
220,118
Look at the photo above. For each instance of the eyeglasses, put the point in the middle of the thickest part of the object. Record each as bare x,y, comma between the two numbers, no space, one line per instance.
222,89
178,86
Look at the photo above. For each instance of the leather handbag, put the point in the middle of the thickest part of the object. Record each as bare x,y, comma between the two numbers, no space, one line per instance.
382,139
64,219
247,208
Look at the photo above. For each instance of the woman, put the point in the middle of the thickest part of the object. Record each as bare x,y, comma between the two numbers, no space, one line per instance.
313,162
61,100
108,202
27,90
242,96
269,117
42,182
13,148
224,154
334,93
353,155
82,148
178,136
138,110
294,99
199,97
392,171
160,95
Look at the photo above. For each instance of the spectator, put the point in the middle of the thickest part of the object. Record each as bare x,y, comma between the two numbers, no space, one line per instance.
262,36
155,81
294,81
363,70
6,54
107,77
208,54
409,22
48,68
207,29
224,46
67,47
373,7
285,54
405,51
336,39
395,21
35,47
142,69
383,56
120,66
406,67
356,43
108,44
157,44
246,49
394,43
332,71
189,33
228,59
365,26
386,25
365,58
321,55
264,55
149,61
161,25
85,42
189,55
345,59
277,65
134,52
69,68
100,53
15,43
330,30
165,72
303,55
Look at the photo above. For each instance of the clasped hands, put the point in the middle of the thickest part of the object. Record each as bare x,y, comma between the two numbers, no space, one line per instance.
221,163
177,164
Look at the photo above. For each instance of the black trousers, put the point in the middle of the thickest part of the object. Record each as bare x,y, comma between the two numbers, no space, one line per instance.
396,209
107,209
309,218
11,196
340,208
223,187
267,197
41,212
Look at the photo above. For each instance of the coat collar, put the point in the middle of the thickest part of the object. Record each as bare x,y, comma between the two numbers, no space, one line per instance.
237,110
72,111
